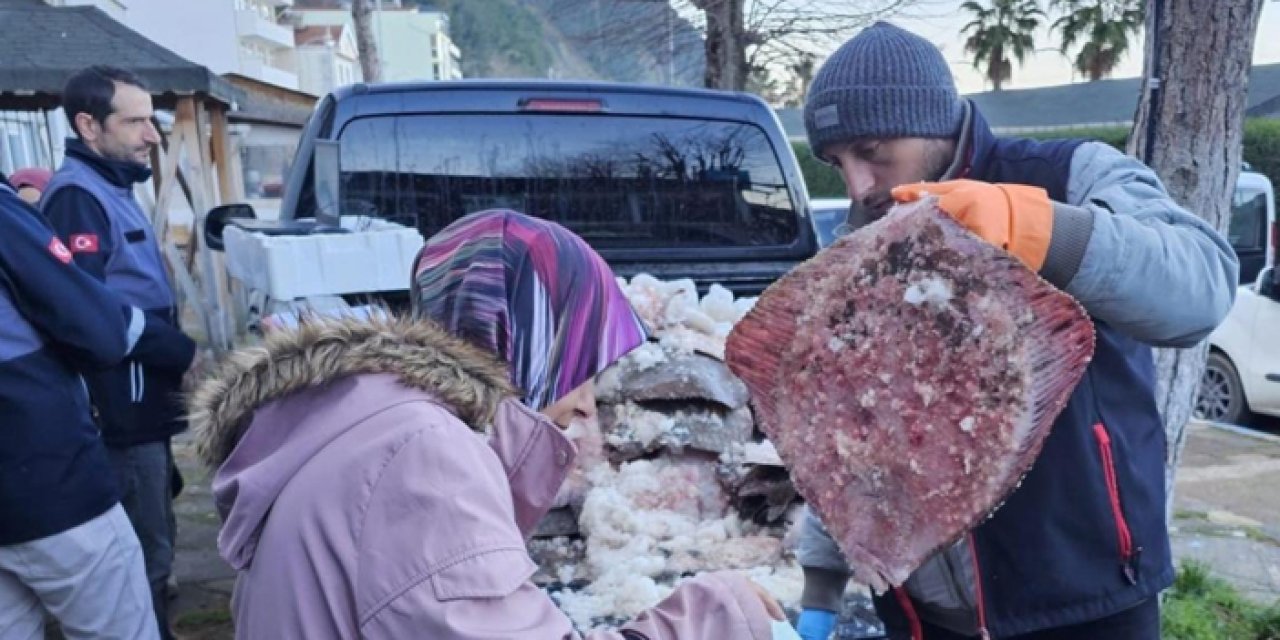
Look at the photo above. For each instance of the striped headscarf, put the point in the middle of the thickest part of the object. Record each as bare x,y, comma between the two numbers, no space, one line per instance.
532,292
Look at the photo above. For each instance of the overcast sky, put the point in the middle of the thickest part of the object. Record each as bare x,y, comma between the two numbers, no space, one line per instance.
941,20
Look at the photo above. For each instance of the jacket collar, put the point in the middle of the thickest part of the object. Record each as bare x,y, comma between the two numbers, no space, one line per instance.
976,144
119,173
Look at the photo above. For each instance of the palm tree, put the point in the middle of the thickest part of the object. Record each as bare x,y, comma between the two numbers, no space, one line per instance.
1104,26
1006,28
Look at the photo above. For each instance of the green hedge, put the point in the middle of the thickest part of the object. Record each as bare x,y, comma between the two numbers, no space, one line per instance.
1261,149
1114,136
821,180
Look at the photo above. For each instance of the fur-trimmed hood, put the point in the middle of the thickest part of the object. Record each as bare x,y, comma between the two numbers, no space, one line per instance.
271,411
469,380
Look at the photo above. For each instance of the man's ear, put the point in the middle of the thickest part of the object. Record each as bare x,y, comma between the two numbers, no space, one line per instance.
86,127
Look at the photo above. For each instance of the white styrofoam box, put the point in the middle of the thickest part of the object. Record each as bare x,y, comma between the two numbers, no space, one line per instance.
376,256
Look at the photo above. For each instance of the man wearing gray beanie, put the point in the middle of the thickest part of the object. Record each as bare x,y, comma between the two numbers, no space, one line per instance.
1081,549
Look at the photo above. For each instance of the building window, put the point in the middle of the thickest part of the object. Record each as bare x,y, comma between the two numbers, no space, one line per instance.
6,161
18,157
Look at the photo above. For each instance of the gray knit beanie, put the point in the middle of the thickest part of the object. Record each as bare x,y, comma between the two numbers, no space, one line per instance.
884,83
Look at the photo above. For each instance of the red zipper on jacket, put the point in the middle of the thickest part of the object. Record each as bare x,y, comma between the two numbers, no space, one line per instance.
977,591
913,619
1124,536
909,609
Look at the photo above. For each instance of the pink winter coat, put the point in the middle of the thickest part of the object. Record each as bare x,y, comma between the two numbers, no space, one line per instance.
358,503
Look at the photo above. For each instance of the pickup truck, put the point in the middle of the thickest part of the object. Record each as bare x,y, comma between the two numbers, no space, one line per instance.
677,183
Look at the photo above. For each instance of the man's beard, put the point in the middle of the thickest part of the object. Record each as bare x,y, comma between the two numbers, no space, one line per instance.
875,205
123,154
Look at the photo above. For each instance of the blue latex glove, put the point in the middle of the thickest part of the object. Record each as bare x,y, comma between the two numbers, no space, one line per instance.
816,624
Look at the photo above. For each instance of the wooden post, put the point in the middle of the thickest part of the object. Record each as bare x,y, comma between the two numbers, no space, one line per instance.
186,139
188,120
205,157
236,166
157,160
167,176
211,132
222,155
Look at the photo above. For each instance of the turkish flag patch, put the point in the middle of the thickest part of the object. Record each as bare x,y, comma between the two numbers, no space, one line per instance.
59,250
84,243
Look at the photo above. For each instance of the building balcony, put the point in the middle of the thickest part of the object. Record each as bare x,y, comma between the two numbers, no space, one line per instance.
251,25
260,70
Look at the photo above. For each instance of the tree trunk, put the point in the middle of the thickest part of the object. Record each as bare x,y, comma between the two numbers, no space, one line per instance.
725,45
995,68
362,16
1190,131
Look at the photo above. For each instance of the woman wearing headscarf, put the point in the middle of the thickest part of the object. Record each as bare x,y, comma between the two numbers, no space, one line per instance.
378,479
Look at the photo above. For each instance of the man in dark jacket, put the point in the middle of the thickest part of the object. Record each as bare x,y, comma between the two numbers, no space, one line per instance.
65,543
1080,550
90,203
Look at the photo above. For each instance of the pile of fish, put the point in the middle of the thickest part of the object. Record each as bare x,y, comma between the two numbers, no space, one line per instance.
673,479
675,396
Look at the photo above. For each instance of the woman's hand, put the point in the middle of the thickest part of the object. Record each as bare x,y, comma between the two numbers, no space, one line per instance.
771,605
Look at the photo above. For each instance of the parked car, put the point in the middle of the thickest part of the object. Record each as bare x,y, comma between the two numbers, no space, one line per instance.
1242,376
677,183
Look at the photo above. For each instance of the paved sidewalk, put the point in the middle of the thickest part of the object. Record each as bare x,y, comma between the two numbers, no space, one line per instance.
1227,511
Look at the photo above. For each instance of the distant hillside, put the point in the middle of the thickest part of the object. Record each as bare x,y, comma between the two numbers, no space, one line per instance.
620,40
497,37
627,41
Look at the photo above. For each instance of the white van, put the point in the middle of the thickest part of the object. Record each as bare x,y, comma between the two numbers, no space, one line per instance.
1243,373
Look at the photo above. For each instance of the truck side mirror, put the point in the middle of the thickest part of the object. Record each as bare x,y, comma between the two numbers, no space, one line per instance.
216,222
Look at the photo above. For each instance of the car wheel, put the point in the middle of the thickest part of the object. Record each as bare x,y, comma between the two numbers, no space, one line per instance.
1221,397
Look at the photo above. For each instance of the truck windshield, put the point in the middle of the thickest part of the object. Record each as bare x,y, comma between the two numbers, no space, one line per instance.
625,182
